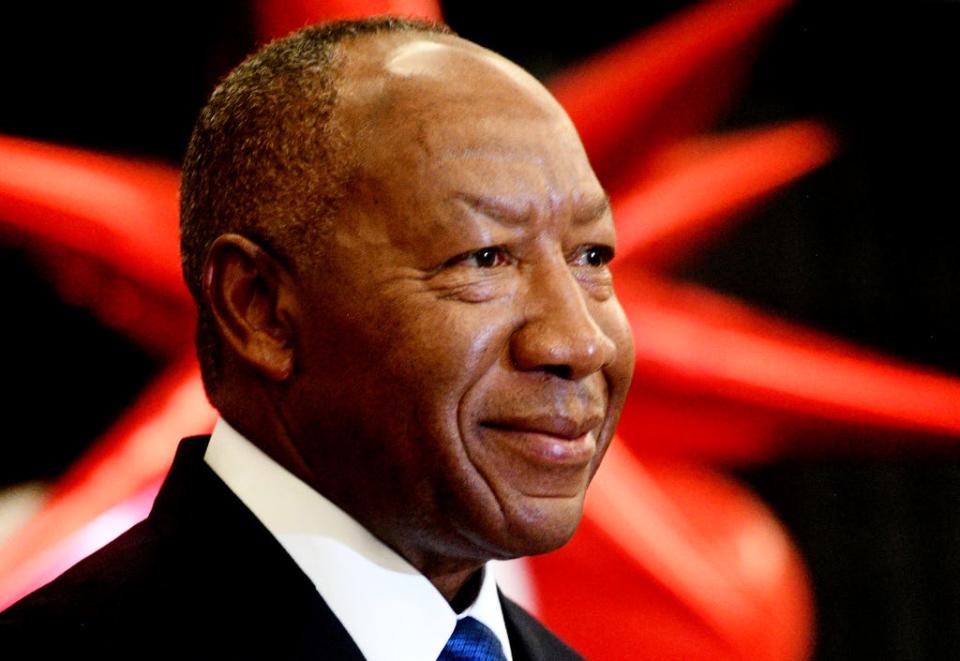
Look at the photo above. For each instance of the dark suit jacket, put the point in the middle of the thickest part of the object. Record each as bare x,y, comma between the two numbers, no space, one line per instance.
200,578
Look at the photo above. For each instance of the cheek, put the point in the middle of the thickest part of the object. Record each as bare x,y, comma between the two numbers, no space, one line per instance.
613,321
414,367
449,345
447,354
619,374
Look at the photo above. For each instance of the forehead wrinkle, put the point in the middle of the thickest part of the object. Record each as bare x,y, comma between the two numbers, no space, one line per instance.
503,211
497,209
498,152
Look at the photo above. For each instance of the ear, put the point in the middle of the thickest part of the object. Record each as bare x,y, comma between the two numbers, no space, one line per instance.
253,299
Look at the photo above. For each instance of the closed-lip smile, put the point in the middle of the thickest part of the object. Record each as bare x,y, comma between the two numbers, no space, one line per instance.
549,439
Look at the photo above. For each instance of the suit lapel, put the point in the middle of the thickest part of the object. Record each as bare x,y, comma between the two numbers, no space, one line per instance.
254,596
530,640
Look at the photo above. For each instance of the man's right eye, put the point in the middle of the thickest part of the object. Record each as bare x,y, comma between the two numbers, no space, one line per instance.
485,258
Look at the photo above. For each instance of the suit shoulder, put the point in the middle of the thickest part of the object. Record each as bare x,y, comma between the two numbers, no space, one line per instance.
106,580
112,590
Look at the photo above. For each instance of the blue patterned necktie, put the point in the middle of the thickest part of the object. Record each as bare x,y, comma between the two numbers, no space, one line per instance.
472,641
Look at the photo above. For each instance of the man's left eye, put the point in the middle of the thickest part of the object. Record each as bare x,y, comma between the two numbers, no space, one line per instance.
595,256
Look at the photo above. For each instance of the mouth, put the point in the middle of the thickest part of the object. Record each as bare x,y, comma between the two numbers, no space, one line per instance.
550,440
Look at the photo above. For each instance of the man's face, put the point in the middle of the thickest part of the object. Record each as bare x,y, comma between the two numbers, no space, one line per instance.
463,359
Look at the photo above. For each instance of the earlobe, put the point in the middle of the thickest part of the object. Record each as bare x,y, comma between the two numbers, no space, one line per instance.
253,300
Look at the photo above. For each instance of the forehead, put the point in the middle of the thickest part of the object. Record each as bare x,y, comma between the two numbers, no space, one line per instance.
428,113
406,67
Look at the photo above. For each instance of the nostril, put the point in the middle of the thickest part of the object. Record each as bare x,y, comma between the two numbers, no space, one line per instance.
562,371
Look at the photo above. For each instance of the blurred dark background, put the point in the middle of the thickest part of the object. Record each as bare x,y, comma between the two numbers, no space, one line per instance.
865,249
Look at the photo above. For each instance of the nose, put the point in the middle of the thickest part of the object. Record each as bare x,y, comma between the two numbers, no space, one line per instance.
559,334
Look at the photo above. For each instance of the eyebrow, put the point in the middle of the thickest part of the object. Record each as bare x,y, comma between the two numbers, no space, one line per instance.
504,213
593,209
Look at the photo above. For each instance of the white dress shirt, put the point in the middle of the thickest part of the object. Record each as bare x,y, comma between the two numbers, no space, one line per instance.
392,612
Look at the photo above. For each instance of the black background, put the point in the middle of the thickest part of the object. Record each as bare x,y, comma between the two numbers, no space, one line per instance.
866,249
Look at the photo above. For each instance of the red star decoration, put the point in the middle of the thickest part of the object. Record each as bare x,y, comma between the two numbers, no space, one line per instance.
673,560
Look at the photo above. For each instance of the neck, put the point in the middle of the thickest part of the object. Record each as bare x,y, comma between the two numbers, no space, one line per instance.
460,589
468,593
458,581
267,432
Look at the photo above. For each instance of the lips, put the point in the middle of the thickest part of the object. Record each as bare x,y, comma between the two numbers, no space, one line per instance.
548,439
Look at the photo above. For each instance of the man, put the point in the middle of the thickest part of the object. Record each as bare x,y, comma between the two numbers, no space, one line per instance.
399,253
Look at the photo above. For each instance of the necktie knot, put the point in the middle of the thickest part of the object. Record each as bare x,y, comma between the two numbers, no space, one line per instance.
472,641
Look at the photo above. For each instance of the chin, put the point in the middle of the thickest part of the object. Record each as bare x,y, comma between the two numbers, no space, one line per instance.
542,524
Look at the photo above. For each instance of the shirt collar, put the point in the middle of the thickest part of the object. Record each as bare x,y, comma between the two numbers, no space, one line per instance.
389,609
